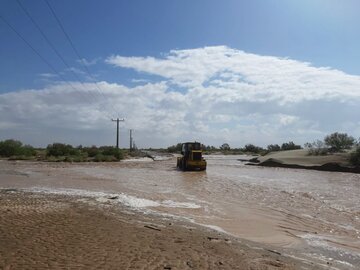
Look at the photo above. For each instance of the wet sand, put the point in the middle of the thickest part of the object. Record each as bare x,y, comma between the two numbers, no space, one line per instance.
44,231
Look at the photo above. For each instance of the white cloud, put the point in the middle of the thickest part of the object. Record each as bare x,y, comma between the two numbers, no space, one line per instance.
76,70
287,119
89,62
246,76
225,95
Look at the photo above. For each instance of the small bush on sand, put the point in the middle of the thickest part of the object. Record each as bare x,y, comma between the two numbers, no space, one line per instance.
355,157
91,151
112,151
317,148
58,149
104,158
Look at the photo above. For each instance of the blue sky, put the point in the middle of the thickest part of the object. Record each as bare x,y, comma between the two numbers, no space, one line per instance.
135,48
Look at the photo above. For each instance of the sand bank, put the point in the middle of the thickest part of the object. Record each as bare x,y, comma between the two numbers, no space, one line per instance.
299,159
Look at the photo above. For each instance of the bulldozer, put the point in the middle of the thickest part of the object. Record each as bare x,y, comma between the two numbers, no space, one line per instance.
191,157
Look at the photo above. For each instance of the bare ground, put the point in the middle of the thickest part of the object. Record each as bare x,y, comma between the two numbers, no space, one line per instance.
43,231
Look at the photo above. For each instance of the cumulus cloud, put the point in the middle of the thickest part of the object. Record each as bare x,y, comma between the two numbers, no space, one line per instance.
245,76
212,94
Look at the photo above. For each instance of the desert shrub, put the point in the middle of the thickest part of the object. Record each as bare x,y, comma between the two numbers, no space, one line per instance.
91,151
339,141
77,158
273,147
225,146
174,148
60,149
104,158
21,157
11,147
290,146
112,151
316,148
252,148
27,151
355,157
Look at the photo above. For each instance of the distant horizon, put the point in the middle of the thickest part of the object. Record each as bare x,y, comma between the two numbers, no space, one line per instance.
237,73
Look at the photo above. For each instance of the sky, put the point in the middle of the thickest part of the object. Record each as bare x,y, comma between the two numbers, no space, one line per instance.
236,72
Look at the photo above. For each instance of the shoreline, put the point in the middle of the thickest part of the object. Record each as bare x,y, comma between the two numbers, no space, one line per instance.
60,231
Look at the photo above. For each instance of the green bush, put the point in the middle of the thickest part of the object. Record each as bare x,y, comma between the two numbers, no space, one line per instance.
250,148
9,148
273,147
77,158
104,158
91,151
27,151
355,157
21,157
290,146
60,149
112,151
174,148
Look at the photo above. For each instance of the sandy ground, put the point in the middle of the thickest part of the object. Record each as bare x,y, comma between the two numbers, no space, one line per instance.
43,231
301,157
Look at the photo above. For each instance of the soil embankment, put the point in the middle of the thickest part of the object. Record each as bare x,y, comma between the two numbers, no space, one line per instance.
299,159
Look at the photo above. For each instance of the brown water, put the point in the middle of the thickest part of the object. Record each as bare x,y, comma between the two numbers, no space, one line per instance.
310,215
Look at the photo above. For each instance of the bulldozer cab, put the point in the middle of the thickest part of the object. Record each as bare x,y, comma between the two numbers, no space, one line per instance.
189,146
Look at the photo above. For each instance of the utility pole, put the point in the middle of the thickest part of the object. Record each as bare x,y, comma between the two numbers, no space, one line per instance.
131,139
117,120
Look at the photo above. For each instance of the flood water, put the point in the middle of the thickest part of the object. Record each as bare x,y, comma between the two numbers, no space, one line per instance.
311,215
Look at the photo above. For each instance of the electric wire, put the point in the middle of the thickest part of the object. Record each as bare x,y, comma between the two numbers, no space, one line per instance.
77,52
54,48
27,43
39,55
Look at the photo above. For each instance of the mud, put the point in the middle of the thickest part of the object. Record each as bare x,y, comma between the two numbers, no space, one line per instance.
310,215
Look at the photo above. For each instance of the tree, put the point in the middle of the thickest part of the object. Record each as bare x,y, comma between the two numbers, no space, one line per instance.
273,147
9,148
290,146
252,148
225,146
174,148
339,141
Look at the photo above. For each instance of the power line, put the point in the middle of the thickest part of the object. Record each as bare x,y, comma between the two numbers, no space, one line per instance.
77,52
52,46
38,54
27,43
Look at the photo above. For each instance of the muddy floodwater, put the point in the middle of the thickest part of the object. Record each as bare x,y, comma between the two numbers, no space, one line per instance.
309,215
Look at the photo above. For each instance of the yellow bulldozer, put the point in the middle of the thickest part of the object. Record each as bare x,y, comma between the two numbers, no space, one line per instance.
191,157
